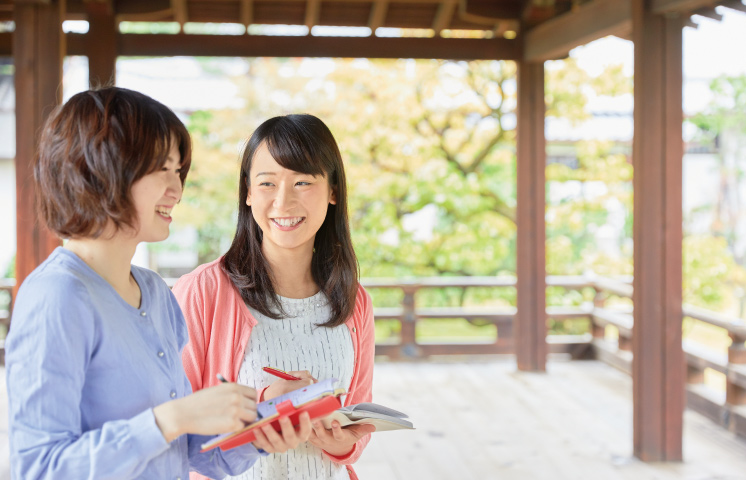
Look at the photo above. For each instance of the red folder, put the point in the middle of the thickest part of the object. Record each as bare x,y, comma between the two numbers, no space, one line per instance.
319,407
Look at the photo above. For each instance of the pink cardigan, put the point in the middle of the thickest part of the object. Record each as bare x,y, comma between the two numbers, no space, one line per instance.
220,325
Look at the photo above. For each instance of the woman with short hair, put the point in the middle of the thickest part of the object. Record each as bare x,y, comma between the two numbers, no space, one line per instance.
96,386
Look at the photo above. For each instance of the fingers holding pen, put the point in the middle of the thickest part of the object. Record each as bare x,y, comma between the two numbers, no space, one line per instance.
281,386
248,397
304,375
219,409
238,402
226,407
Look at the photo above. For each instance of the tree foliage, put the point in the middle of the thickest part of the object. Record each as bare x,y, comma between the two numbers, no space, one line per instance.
430,156
715,262
727,109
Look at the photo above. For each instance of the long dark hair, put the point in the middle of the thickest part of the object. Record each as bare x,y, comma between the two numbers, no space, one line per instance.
304,144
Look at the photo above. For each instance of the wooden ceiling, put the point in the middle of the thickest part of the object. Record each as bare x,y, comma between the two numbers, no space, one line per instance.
421,14
535,29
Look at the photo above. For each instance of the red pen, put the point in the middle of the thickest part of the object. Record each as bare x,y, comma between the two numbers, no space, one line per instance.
279,373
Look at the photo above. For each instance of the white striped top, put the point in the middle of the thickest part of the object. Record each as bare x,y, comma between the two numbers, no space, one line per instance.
297,343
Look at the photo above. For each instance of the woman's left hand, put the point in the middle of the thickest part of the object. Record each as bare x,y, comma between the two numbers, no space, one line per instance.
338,441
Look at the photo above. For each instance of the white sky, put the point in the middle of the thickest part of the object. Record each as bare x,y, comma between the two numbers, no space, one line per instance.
709,52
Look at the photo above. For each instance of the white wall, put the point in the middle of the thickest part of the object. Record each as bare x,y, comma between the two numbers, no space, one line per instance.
7,213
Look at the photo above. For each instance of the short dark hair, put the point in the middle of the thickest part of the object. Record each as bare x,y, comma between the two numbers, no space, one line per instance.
92,149
302,143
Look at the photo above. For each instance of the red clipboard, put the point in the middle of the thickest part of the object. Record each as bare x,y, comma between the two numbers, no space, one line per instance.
319,407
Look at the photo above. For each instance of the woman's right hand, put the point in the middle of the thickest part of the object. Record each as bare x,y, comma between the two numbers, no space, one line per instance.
273,442
281,387
219,409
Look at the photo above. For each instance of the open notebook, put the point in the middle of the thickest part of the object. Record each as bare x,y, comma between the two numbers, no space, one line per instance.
319,400
383,418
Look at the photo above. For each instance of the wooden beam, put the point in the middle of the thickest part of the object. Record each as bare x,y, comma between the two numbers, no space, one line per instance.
477,18
271,46
6,44
734,5
709,13
179,8
313,8
126,7
101,49
501,28
531,319
555,38
679,6
443,17
507,26
378,14
39,48
536,13
490,10
247,12
165,15
659,372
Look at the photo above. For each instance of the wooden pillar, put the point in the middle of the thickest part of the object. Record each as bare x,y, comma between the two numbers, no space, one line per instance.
38,51
531,321
658,370
101,43
409,348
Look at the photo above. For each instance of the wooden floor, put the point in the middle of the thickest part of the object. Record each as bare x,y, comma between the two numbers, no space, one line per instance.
486,421
483,420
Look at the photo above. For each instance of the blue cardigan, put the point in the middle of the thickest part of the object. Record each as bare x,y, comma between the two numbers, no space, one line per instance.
84,371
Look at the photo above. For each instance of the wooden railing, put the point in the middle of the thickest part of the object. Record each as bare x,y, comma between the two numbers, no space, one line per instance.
409,314
611,345
727,409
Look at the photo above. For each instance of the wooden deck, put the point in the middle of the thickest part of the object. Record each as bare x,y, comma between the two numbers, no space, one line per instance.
483,420
486,421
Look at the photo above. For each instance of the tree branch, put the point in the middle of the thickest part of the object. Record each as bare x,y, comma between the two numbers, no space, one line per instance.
500,206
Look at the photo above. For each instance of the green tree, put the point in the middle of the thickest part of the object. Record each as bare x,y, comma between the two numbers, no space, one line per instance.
575,214
430,156
723,124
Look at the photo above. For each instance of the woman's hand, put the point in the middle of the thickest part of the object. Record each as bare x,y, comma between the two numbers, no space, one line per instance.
338,441
219,409
281,387
271,442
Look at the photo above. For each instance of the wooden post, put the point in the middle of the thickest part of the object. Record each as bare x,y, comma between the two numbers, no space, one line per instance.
735,394
531,321
101,44
505,335
658,371
694,375
599,301
38,51
409,348
737,349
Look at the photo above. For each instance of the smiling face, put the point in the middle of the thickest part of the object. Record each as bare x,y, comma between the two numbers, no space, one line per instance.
155,195
288,206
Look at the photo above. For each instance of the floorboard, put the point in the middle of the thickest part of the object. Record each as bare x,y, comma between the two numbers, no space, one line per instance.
479,418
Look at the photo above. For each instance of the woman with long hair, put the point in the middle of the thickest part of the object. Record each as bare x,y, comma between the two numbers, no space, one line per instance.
286,294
